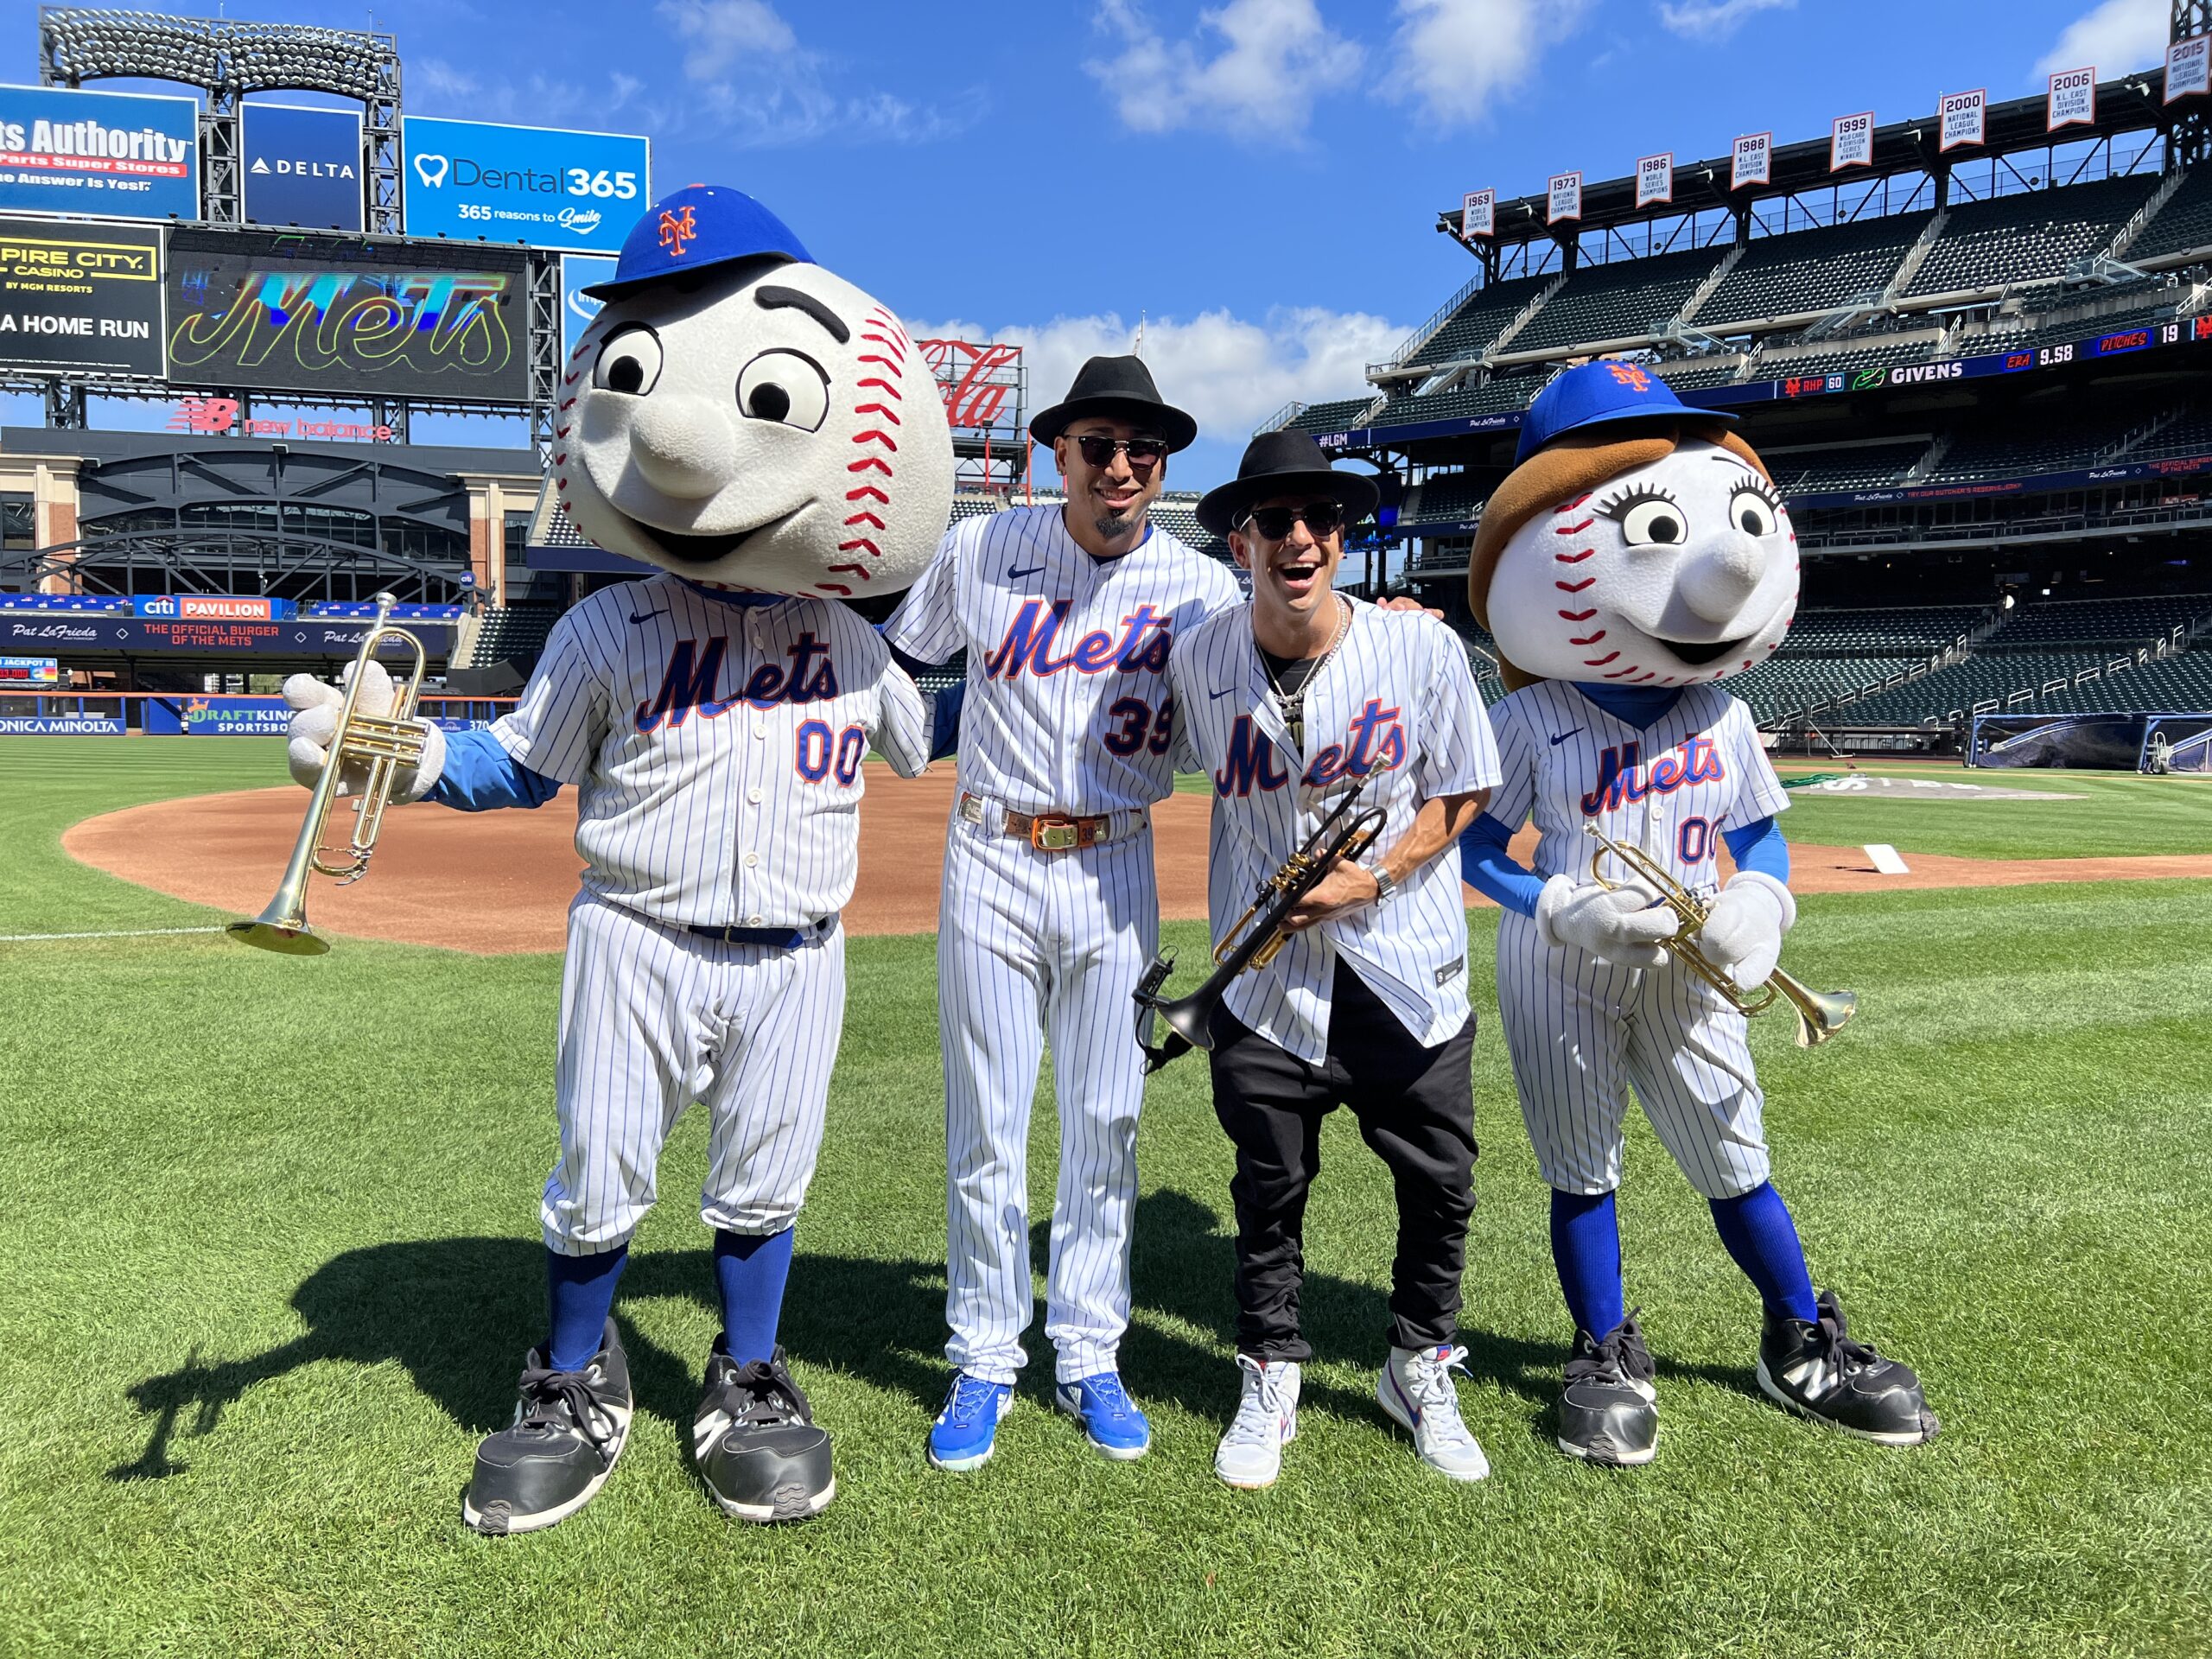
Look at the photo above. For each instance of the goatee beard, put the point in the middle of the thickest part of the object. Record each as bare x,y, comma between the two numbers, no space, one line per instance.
1114,526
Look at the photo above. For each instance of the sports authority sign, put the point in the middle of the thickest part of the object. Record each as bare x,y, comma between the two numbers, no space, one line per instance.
103,155
1477,214
2073,99
1563,198
546,187
2189,67
1752,161
1654,179
1964,117
1850,140
81,298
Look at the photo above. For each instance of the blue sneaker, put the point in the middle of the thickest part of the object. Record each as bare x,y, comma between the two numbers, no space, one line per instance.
1110,1418
962,1436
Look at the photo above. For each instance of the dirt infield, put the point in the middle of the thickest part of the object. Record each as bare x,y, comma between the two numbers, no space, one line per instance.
492,885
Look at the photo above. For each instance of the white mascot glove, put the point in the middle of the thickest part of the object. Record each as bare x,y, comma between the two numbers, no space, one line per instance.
1743,932
1623,925
308,744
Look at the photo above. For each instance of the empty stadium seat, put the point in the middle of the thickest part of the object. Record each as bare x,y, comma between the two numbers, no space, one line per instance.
1625,299
1481,317
1340,416
1811,270
2030,237
1506,392
1871,467
2183,225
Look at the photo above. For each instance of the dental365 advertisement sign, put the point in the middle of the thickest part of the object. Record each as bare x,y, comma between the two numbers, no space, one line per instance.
568,191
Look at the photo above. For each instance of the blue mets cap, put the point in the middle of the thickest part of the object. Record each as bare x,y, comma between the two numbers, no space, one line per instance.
700,224
1602,394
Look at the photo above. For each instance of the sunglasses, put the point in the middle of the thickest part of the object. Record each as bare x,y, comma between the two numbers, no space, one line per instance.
1144,454
1321,519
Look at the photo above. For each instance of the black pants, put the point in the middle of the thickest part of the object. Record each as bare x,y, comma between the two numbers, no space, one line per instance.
1415,1108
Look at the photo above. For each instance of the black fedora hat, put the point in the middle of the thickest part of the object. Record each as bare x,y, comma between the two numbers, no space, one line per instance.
1120,388
1286,463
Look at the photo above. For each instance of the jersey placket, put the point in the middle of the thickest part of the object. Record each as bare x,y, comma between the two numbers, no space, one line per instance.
744,874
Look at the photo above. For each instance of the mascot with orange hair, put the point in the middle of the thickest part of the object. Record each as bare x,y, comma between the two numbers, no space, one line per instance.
1637,556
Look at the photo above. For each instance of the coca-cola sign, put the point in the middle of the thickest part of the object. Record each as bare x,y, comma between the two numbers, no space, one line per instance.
977,382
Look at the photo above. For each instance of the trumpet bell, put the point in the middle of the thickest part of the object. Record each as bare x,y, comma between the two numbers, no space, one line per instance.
285,940
1190,1018
1820,1015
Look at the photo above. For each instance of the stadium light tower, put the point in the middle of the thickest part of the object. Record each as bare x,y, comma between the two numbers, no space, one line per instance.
2190,18
226,60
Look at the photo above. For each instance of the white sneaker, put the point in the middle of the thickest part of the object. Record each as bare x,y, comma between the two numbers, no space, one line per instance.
1251,1453
1417,1390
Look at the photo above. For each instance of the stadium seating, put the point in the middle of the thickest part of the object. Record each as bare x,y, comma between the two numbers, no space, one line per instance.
2172,685
1451,497
1870,352
2191,434
512,633
62,602
2027,238
1787,684
1625,299
1875,467
975,507
1177,512
1807,271
361,610
2183,225
2028,332
1468,331
2122,622
1685,374
1974,456
1344,413
1506,392
1889,632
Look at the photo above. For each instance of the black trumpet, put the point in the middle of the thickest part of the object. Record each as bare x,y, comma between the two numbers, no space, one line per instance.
1255,940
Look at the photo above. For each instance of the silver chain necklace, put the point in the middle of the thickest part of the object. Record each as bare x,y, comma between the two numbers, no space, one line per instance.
1291,705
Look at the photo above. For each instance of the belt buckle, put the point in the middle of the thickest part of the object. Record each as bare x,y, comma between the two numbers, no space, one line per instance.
1055,835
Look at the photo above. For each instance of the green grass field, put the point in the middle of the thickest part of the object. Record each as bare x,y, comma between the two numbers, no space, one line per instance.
274,1228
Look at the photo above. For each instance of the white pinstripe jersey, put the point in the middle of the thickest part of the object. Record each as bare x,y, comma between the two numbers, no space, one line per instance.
717,748
1671,788
1396,702
1067,707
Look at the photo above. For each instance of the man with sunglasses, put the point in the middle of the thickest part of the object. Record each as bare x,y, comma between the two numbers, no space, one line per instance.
1050,912
1291,703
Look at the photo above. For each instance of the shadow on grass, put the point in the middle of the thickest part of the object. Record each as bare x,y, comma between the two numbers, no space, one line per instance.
456,1312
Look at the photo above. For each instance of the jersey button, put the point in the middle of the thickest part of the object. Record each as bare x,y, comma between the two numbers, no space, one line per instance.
754,796
752,921
752,859
759,729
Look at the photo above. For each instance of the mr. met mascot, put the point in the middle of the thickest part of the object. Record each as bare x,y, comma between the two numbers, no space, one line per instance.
768,435
1636,557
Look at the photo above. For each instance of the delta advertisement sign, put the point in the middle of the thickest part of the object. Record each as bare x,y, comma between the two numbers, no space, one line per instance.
105,155
302,166
546,188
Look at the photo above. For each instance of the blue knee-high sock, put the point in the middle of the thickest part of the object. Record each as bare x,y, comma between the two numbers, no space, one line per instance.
1757,1229
1586,1249
750,1272
579,1295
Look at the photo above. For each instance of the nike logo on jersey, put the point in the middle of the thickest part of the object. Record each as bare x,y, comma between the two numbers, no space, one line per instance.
1563,736
688,685
645,616
1375,741
1216,696
1141,645
1623,777
1015,573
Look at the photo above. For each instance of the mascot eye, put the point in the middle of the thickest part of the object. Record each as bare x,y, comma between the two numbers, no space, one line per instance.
1654,520
629,361
1751,513
787,387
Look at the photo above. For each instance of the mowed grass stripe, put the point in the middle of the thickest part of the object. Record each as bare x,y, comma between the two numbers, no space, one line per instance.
280,1259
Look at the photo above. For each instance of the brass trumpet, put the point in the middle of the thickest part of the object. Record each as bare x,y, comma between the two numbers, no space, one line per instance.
388,742
1256,937
1820,1015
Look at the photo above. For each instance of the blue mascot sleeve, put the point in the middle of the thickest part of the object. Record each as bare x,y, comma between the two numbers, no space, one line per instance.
481,775
1492,872
1759,846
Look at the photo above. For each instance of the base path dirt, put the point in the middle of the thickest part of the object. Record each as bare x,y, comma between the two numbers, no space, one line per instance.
497,882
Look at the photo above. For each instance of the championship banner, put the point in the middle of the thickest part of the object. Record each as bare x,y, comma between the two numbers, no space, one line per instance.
1850,140
1654,179
548,187
1565,193
2189,68
2072,101
30,673
103,155
81,298
1479,214
1753,162
1964,118
353,319
302,166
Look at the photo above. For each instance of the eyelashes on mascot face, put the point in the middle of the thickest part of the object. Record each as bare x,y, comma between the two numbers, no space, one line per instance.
629,361
1649,516
787,387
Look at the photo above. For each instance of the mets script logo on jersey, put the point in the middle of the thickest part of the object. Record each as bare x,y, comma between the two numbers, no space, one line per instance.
1622,776
1375,743
688,687
1142,645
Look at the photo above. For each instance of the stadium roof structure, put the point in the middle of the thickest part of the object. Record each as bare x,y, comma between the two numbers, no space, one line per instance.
2133,103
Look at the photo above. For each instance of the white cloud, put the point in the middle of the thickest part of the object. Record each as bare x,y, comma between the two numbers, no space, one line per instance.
1715,20
450,90
1278,57
2117,36
1454,57
762,87
1230,373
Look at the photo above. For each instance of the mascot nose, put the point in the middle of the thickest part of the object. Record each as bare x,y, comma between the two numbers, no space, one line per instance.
1717,581
683,446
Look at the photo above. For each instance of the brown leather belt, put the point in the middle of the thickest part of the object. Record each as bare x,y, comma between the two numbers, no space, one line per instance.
1048,832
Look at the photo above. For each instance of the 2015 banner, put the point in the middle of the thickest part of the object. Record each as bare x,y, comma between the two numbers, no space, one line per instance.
1850,140
103,155
547,188
2189,67
1563,198
1654,179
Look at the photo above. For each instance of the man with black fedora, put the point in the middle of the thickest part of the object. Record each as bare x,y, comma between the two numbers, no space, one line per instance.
1292,704
1066,613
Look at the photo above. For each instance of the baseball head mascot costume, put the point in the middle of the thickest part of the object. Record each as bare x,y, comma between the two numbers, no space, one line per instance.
767,436
1635,557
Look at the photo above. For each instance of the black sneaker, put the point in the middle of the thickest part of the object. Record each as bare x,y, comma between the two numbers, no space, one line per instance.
1609,1410
756,1444
1819,1370
570,1427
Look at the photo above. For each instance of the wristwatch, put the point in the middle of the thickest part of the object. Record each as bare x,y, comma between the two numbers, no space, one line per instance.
1385,883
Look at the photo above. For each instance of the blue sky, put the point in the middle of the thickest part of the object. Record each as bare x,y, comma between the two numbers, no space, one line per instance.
1257,178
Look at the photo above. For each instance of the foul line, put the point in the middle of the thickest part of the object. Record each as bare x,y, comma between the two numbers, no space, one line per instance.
132,933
